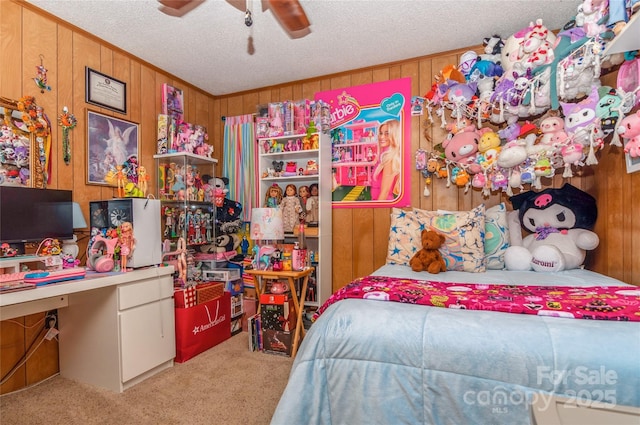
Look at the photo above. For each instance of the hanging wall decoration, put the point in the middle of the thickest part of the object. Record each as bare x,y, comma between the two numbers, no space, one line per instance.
67,121
41,77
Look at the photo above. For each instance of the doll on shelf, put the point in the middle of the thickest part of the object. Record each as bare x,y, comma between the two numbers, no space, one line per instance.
143,179
208,226
273,197
182,221
208,188
169,223
291,208
127,244
312,204
121,180
303,194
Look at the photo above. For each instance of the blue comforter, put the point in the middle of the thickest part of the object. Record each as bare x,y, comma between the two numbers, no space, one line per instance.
375,362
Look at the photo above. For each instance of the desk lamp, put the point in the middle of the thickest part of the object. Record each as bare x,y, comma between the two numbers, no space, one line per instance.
267,227
70,246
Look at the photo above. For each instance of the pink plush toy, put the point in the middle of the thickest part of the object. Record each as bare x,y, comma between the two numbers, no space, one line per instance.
629,129
463,146
550,127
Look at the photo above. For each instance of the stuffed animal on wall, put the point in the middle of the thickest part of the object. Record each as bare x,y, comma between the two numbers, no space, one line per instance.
462,147
492,48
560,222
429,258
629,129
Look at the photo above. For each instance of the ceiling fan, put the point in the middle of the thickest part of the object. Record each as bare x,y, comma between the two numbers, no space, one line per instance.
178,8
289,13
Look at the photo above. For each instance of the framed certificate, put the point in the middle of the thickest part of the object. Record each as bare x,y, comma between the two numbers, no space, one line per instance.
105,91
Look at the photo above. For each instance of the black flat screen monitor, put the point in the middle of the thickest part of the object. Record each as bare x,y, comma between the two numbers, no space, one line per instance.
31,215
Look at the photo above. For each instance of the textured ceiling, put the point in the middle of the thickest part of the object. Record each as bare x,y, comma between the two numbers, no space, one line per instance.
209,47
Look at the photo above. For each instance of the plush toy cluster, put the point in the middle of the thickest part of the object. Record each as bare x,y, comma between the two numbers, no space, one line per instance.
544,92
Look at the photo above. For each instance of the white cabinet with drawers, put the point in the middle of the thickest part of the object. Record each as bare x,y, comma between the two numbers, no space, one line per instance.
119,335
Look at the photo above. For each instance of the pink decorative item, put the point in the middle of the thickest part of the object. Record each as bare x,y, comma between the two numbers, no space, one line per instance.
629,129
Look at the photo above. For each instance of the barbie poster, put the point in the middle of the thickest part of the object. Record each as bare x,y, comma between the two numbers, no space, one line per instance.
370,144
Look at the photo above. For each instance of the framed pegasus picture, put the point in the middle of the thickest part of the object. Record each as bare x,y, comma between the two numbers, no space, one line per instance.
112,149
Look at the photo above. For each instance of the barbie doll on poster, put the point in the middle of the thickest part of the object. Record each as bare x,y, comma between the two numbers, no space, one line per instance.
370,144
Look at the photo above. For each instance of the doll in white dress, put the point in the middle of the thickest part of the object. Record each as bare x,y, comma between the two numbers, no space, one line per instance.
291,208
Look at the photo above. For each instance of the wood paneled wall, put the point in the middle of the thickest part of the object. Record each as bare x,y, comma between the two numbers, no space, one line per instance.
359,235
26,33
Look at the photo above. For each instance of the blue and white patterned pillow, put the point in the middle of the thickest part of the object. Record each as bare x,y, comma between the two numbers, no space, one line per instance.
496,236
463,249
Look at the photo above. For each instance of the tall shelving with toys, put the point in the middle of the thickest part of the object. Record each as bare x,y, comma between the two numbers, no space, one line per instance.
304,160
187,207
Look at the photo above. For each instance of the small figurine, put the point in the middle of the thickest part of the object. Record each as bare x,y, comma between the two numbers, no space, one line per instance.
182,219
207,188
127,244
181,250
7,251
244,246
206,221
143,180
191,230
276,261
121,180
169,227
197,225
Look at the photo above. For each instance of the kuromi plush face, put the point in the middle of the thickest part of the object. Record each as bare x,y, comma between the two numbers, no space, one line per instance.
580,115
556,215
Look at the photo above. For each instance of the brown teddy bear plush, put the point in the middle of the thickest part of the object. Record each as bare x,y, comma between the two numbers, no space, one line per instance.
429,258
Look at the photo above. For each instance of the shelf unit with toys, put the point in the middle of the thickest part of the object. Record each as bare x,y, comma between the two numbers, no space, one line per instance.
303,167
187,207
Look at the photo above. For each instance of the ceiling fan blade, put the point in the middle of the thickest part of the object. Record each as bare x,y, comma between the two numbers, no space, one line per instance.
290,14
241,5
178,8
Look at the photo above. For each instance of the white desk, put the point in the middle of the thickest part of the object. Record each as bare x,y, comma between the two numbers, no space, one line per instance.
116,329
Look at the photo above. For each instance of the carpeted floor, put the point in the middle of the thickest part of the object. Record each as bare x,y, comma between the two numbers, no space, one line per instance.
227,385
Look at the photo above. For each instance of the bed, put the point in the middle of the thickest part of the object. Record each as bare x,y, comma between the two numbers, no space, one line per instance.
370,361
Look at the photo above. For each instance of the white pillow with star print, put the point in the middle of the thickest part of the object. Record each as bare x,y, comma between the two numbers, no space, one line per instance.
404,236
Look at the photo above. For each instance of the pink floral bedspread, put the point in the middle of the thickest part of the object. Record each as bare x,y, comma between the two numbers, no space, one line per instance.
594,302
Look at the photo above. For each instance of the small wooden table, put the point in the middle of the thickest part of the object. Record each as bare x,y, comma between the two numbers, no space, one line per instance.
298,302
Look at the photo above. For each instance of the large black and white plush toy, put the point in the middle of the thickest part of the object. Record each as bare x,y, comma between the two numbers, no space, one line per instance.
222,244
560,222
227,220
227,211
